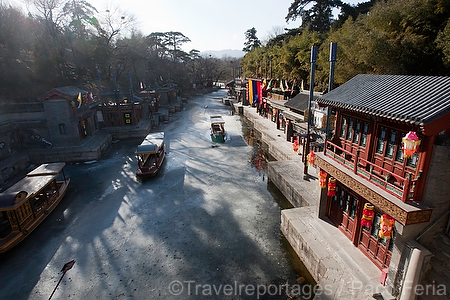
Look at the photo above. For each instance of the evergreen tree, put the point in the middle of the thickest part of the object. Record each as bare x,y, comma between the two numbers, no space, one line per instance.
318,18
252,40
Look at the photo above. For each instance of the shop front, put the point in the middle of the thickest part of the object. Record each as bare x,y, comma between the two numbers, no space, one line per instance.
348,211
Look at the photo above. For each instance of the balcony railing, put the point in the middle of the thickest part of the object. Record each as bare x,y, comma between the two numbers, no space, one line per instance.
402,188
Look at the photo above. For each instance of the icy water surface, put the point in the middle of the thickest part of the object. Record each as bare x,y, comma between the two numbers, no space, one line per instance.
207,227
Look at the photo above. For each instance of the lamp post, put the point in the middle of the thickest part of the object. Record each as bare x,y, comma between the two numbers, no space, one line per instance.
333,50
65,268
311,94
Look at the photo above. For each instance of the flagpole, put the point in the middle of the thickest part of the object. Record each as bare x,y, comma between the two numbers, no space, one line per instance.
99,85
131,88
311,95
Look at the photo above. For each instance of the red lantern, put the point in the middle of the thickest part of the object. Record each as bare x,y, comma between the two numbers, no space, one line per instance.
295,146
331,187
310,158
386,225
411,144
367,216
322,179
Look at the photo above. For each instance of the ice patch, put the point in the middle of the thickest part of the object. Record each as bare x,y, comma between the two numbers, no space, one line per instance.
111,189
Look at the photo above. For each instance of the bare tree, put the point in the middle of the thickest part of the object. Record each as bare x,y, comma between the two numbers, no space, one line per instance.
275,31
115,23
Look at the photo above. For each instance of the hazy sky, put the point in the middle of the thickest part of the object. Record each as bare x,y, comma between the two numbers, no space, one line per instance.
209,24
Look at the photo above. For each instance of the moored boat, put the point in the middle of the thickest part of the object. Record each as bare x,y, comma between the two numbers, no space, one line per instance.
217,129
24,205
150,154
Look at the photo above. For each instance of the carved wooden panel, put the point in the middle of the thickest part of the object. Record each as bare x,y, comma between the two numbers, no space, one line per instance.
382,203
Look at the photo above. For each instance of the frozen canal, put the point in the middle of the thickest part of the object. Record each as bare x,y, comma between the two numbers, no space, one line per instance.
205,228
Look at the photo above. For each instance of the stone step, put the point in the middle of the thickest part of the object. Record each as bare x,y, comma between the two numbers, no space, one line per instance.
348,257
351,256
440,247
339,260
440,271
435,287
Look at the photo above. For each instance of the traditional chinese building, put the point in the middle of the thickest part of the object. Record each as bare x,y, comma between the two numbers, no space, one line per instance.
383,196
71,114
120,108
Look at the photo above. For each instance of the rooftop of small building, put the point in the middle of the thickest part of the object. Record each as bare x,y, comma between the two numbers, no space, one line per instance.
301,100
68,91
416,100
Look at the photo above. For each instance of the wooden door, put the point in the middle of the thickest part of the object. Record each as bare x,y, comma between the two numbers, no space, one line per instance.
350,204
377,249
343,211
335,214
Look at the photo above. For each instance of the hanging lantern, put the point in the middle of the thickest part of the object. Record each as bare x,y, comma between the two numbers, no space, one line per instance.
411,144
310,158
295,146
322,179
386,225
367,216
331,187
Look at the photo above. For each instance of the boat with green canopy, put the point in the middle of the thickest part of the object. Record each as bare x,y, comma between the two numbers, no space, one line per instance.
217,129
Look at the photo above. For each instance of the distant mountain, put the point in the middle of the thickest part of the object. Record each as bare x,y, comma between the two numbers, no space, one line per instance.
224,53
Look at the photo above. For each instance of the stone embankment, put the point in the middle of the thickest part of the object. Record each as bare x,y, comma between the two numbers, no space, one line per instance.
339,268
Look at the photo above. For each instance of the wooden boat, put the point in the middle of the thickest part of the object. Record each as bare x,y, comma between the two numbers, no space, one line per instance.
217,129
24,205
150,153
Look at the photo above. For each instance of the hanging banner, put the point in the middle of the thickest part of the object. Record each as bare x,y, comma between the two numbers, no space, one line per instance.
259,89
250,91
255,91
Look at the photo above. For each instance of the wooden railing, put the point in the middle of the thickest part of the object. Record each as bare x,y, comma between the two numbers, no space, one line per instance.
402,188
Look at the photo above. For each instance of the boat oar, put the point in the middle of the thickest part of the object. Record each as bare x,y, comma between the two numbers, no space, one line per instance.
65,268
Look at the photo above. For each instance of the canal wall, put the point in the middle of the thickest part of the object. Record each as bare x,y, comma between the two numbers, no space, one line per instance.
98,145
288,169
339,268
91,148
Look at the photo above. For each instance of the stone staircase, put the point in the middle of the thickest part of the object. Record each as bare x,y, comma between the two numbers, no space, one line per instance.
334,262
436,280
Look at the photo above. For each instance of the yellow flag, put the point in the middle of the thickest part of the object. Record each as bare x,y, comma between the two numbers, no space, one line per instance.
79,100
250,91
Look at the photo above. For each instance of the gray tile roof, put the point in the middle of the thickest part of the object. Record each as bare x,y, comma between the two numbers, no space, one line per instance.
417,100
70,90
300,101
65,92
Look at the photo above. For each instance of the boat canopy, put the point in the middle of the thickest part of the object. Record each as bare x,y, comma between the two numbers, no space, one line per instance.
27,187
151,143
47,169
217,120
